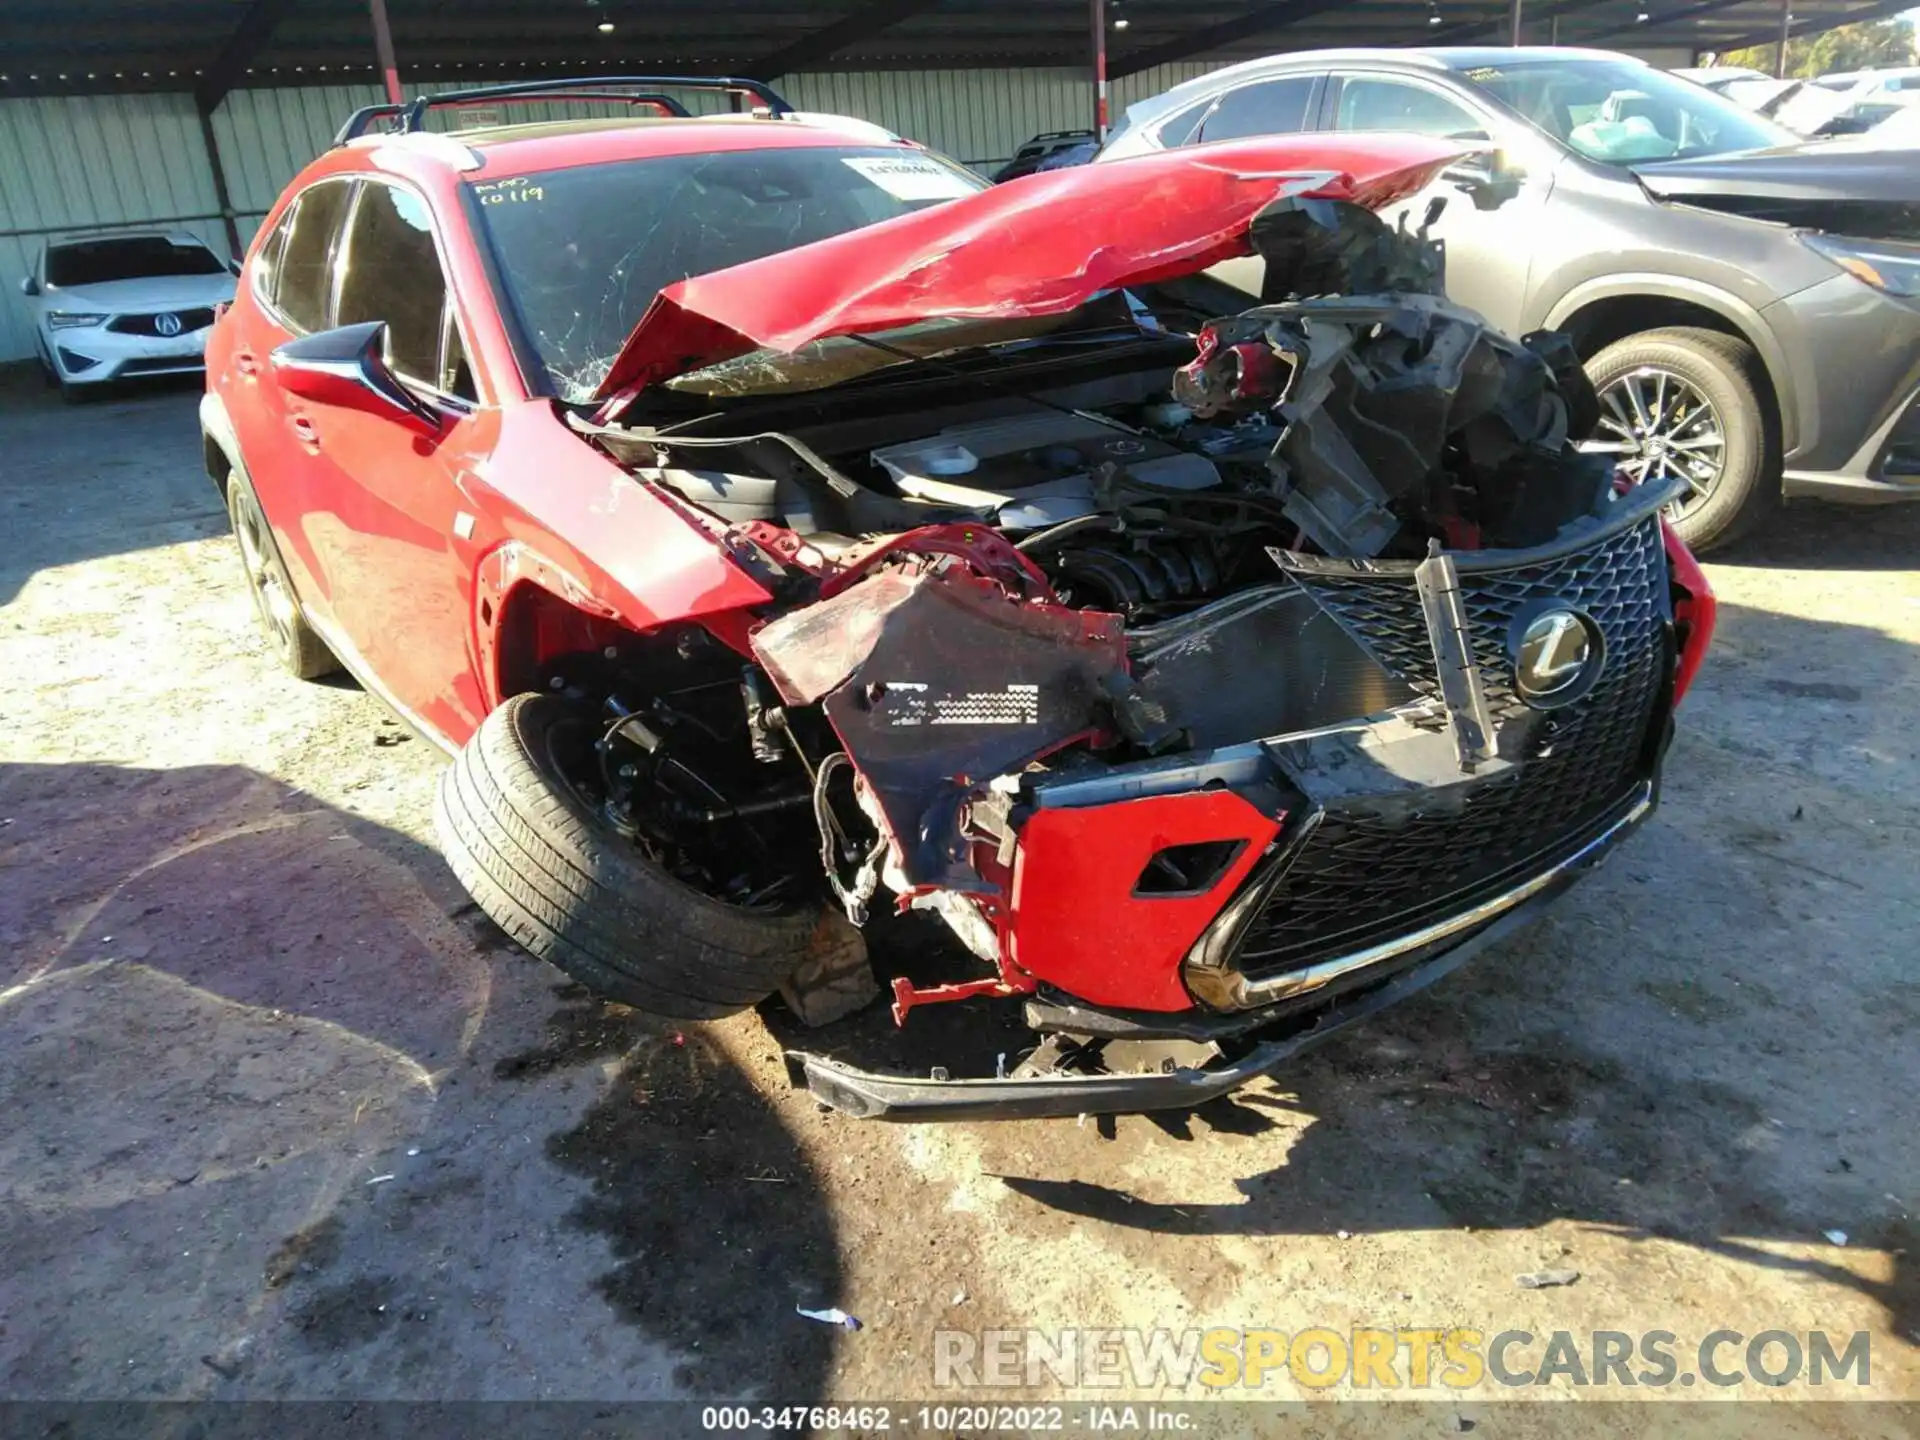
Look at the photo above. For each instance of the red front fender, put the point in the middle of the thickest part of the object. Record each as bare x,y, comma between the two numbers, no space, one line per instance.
1694,610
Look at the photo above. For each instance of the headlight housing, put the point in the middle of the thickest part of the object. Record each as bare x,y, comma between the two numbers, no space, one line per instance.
1886,265
72,319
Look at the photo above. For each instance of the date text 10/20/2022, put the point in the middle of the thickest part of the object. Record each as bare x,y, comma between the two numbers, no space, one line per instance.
951,1419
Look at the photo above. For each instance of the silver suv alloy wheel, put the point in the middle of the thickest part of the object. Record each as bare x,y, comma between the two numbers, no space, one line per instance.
1657,424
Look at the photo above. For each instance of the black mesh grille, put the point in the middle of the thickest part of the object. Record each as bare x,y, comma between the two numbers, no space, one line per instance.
1361,877
190,321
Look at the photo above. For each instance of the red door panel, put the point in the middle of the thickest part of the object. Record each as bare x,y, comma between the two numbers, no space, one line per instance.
401,577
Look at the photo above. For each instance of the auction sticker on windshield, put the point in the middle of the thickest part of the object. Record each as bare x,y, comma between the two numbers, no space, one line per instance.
911,177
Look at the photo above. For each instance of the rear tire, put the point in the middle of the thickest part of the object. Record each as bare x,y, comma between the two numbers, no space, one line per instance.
301,652
1726,373
558,878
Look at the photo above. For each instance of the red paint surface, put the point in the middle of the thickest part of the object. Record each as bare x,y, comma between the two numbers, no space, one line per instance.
1041,245
1694,612
1075,922
365,510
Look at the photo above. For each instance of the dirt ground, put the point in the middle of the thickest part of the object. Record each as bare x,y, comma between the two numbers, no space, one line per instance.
285,1118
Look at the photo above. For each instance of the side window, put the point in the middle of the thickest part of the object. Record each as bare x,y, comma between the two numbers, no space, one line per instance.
389,270
1382,104
1179,130
1273,107
304,282
266,260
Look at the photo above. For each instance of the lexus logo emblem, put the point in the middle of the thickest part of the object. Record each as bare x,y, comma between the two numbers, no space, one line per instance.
1557,654
167,324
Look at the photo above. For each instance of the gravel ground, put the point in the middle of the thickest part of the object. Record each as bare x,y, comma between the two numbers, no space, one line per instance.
286,1118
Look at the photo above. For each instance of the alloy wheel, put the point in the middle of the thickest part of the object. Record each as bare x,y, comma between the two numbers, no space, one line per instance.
1657,424
270,595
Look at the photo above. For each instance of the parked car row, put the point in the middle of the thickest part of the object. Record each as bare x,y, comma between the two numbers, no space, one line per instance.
1817,109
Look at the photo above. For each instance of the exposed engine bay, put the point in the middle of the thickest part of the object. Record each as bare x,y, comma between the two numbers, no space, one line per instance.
1361,421
1002,609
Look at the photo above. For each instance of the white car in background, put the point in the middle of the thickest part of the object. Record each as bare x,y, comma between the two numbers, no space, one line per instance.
106,307
1902,128
1865,84
1718,77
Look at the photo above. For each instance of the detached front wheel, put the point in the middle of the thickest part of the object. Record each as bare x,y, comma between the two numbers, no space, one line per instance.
522,830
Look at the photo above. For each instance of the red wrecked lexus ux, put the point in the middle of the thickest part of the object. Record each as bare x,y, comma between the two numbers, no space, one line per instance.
775,522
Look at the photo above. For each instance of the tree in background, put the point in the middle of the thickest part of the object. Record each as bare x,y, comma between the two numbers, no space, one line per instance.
1870,45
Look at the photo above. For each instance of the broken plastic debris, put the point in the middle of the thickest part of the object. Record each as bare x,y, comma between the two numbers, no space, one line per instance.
1543,1279
379,1179
835,1316
1836,1237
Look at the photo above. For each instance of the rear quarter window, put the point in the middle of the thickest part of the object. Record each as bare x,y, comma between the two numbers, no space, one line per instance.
264,270
1272,107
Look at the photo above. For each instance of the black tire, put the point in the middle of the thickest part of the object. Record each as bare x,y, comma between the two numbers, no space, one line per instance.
1728,373
572,890
300,651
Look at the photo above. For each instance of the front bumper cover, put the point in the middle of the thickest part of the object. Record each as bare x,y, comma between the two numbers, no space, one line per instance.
1411,964
98,355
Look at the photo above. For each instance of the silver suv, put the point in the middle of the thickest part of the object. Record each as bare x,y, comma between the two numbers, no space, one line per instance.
1747,305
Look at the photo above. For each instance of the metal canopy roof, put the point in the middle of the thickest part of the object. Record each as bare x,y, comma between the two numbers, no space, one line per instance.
213,46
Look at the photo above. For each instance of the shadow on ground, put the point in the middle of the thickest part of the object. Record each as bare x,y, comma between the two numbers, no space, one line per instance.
1497,1138
287,1109
65,498
1819,535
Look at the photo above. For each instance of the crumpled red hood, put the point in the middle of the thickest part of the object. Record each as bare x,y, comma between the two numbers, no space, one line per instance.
1040,245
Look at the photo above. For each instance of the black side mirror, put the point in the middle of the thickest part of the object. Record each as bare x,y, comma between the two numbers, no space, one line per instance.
348,367
29,287
1486,177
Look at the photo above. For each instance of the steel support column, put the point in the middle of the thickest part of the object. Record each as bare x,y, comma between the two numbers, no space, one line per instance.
383,47
1097,10
1513,27
221,195
1786,34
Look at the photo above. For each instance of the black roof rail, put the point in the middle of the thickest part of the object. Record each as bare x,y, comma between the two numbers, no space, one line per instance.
413,114
362,120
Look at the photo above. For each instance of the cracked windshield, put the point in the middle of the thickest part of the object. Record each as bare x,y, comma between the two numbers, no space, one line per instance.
584,251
